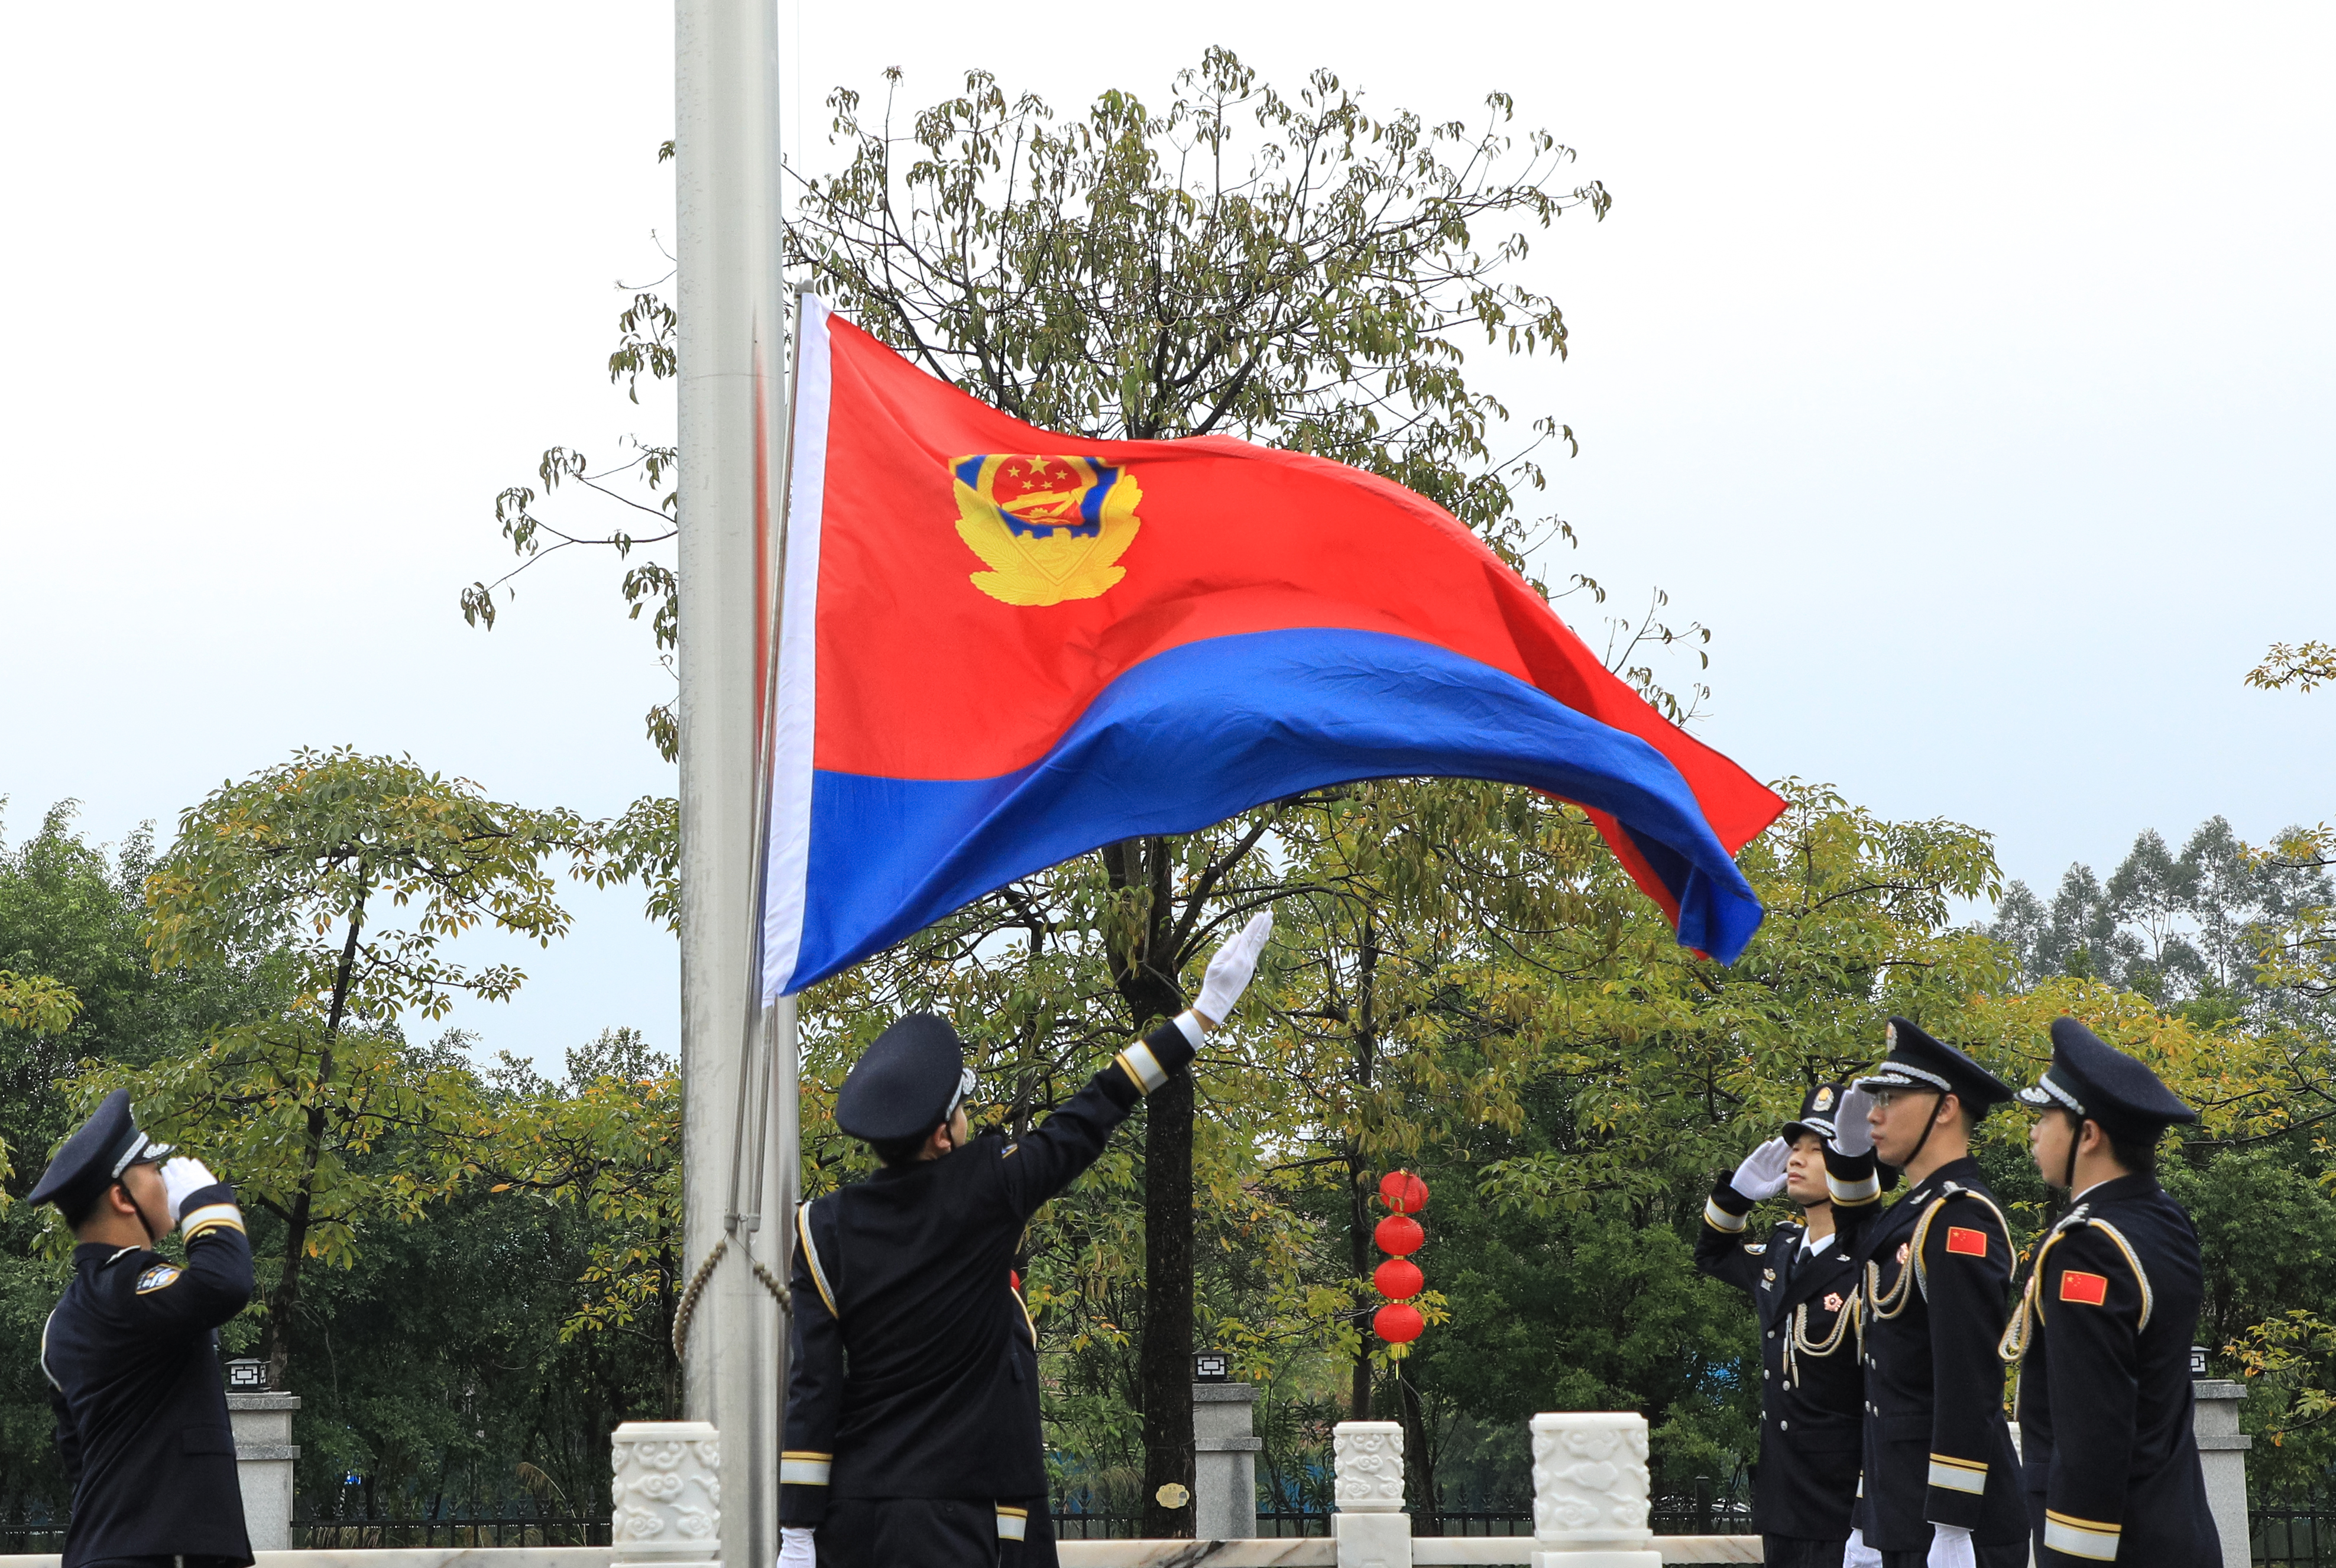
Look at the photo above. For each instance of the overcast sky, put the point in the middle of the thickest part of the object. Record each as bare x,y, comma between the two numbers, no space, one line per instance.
1967,368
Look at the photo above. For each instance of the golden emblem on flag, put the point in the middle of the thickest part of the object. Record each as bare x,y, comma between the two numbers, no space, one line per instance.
1048,528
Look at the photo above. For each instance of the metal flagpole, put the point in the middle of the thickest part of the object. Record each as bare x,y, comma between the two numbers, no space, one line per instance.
733,417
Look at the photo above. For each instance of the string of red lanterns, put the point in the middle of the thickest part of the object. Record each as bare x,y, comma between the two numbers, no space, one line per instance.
1398,1278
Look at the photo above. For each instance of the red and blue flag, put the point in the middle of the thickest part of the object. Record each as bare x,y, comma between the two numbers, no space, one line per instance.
1002,646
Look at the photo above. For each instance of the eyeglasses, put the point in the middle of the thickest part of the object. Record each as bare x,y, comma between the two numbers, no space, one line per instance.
1883,1099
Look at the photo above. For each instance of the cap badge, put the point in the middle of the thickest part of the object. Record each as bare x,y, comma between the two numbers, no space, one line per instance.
1825,1098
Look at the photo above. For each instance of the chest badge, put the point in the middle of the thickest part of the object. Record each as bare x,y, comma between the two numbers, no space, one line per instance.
1767,1278
159,1276
1833,1302
1902,1254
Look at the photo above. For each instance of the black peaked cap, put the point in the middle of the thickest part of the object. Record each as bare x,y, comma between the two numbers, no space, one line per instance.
1818,1109
902,1086
2094,1079
1916,1060
95,1157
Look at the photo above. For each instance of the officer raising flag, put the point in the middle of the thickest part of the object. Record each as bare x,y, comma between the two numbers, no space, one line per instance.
2103,1333
913,1431
1802,1282
1942,1485
132,1352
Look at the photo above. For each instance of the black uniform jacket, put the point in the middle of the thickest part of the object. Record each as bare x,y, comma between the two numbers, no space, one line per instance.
1812,1390
905,1382
1938,1450
132,1354
2105,1392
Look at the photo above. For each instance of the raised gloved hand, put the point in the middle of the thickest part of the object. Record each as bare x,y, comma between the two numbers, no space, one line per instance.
1856,1553
1851,1135
1950,1547
181,1179
1229,973
795,1547
1761,1176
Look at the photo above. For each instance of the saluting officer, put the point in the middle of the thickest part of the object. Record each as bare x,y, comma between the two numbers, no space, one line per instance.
1943,1487
132,1352
1802,1282
912,1432
2104,1394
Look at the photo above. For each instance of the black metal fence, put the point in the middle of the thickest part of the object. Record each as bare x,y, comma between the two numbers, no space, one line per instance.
31,1529
513,1524
2292,1537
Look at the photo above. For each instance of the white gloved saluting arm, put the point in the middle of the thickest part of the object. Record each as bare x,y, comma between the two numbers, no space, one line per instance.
1229,971
1761,1176
1851,1135
182,1178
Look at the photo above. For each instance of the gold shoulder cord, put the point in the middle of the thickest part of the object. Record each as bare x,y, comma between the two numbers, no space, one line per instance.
2013,1347
1798,1342
1888,1304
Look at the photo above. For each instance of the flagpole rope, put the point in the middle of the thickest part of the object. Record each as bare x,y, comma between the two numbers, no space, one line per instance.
696,1288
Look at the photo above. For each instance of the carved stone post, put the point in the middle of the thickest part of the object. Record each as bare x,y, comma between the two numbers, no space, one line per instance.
2222,1455
264,1457
1590,1492
1224,1469
1370,1526
665,1494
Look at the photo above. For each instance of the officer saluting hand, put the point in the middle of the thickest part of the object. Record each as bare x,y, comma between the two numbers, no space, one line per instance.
2104,1394
1942,1481
1802,1281
132,1352
913,1431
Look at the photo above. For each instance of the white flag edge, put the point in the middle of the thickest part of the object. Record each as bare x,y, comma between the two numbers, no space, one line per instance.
786,849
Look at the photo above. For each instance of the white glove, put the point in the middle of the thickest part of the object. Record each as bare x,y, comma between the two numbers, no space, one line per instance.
1851,1135
1761,1176
795,1547
1856,1553
1950,1547
181,1179
1229,973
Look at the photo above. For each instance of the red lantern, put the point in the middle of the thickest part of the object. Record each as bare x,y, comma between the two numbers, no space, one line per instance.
1398,1278
1399,1234
1398,1323
1402,1192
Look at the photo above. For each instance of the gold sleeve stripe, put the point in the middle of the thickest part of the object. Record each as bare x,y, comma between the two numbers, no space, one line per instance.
2086,1538
804,1469
1958,1475
1142,1068
1852,1192
1719,1219
818,1274
211,1217
1012,1524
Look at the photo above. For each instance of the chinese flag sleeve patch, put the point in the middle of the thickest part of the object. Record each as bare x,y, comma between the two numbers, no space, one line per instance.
1971,1244
2090,1290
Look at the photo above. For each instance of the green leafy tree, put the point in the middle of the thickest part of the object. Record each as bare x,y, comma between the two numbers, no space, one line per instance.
353,871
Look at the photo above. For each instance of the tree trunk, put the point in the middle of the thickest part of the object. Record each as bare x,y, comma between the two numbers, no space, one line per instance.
275,1340
1166,1364
1363,1020
1359,1234
1426,1507
1145,976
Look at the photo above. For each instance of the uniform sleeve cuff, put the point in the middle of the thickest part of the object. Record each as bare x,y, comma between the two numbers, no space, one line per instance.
1852,1179
1148,1063
2095,1540
1188,1023
1725,1209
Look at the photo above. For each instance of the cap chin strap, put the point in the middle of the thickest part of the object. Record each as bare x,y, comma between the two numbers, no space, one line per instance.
1916,1152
